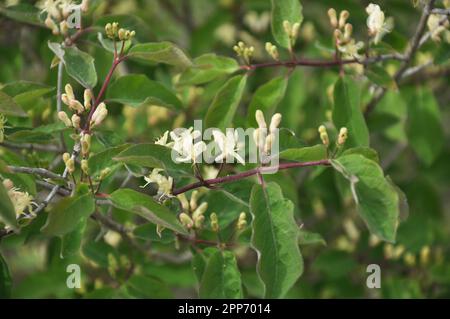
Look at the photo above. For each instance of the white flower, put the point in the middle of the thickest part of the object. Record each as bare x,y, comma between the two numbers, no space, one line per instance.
21,200
376,22
163,140
436,26
164,183
186,147
228,145
350,49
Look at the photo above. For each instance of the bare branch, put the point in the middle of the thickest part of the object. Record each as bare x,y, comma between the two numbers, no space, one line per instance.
34,171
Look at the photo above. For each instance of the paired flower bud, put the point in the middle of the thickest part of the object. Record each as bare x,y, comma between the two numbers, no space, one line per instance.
264,137
186,220
198,215
85,144
343,135
244,51
272,50
49,23
214,222
291,31
64,118
242,221
324,135
99,115
85,166
69,162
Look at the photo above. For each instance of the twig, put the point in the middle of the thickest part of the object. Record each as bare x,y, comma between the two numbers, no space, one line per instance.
236,177
59,100
34,171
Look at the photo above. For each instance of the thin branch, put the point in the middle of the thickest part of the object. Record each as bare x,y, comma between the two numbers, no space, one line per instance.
34,171
441,11
59,100
410,52
246,174
322,63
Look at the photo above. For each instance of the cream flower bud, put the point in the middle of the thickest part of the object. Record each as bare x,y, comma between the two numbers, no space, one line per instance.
69,91
259,115
268,143
105,172
99,115
122,34
242,221
184,202
194,198
186,220
88,99
64,118
295,30
65,99
76,106
85,166
70,165
333,17
85,144
343,18
52,25
64,27
66,157
76,120
275,122
84,5
343,135
8,184
214,222
287,27
200,210
348,30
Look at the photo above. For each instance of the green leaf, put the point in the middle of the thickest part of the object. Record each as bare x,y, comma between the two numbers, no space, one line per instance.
5,279
347,112
377,200
424,127
381,77
9,107
79,65
367,152
7,211
289,10
160,52
306,238
305,154
266,98
24,92
104,159
23,12
71,242
221,277
66,215
221,112
146,207
207,68
137,89
275,237
140,286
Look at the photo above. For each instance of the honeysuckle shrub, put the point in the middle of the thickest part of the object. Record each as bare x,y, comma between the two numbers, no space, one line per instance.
223,149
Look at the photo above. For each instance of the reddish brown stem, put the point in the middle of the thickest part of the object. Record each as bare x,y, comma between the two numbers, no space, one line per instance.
252,172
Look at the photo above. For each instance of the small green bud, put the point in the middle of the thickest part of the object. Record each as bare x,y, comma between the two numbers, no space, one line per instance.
242,221
214,222
85,166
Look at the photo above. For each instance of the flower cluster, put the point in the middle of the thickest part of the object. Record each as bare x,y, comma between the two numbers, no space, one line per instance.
437,27
263,136
244,51
57,13
341,139
114,32
343,31
193,214
22,201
